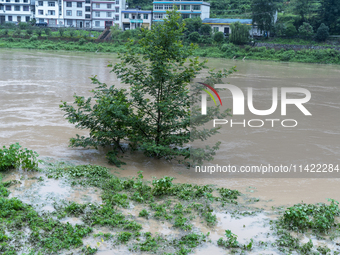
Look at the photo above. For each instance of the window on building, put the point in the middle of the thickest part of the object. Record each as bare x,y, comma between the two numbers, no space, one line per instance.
79,4
117,1
68,13
79,13
87,8
195,16
1,7
40,3
8,1
168,7
16,8
87,24
19,18
158,16
185,7
10,18
87,16
68,4
215,29
17,1
117,17
158,7
108,6
145,16
50,12
109,14
25,1
185,16
88,2
8,8
97,23
126,15
97,5
97,14
138,16
51,3
25,8
41,20
69,22
41,12
27,18
196,7
117,9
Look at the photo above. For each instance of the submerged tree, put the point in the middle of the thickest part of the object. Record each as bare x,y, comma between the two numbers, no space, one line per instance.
156,115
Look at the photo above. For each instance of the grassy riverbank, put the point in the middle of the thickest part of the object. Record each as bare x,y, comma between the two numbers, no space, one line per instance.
229,51
132,208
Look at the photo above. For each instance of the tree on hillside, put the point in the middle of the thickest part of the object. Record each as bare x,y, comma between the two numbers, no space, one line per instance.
322,33
156,116
302,8
263,13
306,31
330,14
239,33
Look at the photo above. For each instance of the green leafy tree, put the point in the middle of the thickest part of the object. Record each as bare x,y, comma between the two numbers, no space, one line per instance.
218,37
280,29
194,37
47,31
330,14
239,33
38,31
302,8
193,25
263,12
306,31
157,118
322,33
206,29
291,30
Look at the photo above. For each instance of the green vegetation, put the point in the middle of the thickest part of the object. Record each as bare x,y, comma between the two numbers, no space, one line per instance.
239,33
319,218
156,119
160,199
15,157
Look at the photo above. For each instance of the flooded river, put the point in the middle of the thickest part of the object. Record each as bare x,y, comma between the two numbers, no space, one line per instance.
32,84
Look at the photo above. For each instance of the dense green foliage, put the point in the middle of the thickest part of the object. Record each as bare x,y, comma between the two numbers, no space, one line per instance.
322,33
302,217
263,12
15,156
157,118
239,33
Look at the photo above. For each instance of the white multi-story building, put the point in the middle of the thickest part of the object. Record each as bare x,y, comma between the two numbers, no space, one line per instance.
133,18
106,13
15,11
188,9
77,13
49,11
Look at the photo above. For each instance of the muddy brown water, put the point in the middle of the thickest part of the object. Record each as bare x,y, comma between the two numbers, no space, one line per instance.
32,84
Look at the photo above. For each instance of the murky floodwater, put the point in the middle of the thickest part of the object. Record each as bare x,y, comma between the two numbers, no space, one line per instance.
32,84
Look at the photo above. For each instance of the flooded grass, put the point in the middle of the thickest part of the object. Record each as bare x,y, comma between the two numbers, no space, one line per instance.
84,209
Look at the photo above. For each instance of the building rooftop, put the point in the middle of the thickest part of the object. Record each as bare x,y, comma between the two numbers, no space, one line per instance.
226,21
135,11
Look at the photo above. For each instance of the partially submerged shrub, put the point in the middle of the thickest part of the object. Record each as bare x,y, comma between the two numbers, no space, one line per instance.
15,156
319,218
